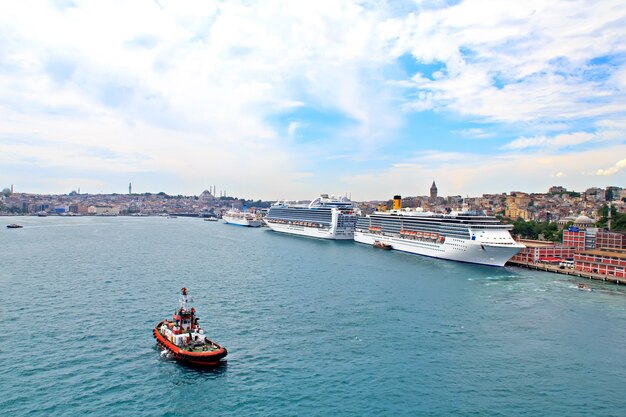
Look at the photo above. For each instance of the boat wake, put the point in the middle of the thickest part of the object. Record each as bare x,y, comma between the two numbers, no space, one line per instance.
166,354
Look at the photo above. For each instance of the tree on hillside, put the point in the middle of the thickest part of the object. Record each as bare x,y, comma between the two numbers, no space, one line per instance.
618,220
533,230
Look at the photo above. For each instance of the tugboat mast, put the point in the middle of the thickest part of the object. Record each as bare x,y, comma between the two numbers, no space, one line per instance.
182,317
183,299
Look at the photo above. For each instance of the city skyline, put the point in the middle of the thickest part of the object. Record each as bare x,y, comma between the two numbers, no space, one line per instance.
289,100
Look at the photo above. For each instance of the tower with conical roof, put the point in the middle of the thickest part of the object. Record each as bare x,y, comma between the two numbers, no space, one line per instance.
433,191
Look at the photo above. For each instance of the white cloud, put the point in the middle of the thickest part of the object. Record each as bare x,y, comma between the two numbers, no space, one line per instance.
476,133
619,165
191,90
518,61
564,140
199,92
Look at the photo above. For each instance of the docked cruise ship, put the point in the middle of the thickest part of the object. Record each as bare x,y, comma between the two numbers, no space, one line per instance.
325,217
240,218
460,236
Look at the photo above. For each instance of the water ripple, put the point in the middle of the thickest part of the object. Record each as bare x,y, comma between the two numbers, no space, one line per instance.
312,327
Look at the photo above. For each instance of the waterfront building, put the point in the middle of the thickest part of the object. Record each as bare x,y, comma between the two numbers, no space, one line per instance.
580,239
542,251
104,210
610,240
610,262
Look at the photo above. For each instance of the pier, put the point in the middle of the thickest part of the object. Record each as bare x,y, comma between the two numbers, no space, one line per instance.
567,271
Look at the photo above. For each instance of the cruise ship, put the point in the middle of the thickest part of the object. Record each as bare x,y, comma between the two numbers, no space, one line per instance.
325,217
459,236
240,218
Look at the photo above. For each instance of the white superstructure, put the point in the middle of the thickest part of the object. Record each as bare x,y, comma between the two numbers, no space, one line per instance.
460,236
325,217
242,219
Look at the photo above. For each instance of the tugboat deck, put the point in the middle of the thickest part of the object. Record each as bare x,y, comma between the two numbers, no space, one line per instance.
185,339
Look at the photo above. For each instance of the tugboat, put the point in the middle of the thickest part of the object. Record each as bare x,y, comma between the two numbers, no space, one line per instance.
184,338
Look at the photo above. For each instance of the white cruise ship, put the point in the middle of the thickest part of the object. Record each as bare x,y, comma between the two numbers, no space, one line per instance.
459,236
325,217
240,218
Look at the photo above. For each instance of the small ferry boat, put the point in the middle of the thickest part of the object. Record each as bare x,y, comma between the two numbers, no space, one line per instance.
584,287
382,245
184,338
242,218
14,226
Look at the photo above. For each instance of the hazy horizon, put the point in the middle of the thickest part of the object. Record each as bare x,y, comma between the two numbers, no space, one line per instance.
383,198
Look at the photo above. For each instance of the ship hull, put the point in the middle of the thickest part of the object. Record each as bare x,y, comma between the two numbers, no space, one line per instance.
194,358
316,232
460,250
242,222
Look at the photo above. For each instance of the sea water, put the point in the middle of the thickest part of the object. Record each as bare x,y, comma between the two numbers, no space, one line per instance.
312,327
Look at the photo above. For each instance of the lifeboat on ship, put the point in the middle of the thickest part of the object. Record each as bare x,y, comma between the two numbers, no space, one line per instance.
185,340
382,245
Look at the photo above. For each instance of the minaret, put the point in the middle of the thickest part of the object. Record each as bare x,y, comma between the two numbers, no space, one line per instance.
433,191
130,188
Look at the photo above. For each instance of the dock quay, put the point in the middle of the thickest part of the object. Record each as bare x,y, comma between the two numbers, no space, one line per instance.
541,266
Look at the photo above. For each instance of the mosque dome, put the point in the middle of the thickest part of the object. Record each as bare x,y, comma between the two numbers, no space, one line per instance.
583,222
582,219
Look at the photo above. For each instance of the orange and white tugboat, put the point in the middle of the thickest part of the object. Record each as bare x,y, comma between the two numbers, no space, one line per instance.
184,339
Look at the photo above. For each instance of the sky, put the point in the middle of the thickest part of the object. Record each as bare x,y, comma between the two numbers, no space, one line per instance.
289,99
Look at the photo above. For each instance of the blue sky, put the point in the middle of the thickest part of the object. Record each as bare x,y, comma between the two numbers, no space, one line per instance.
284,99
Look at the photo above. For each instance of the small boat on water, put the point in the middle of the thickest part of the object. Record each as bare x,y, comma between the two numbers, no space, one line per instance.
584,287
211,219
242,218
14,226
184,338
381,245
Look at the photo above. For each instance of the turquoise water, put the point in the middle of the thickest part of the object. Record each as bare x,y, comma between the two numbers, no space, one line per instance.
312,327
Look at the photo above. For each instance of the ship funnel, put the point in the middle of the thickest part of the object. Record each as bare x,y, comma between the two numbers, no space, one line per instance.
397,202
